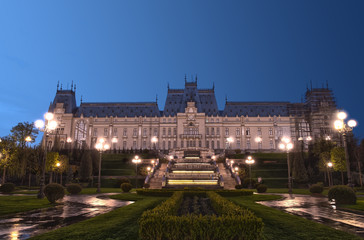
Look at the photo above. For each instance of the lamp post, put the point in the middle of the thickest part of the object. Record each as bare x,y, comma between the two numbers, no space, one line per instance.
46,127
329,166
101,146
344,128
28,139
58,164
287,146
136,160
250,161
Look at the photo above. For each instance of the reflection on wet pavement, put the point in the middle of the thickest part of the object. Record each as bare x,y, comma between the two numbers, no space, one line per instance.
320,210
74,209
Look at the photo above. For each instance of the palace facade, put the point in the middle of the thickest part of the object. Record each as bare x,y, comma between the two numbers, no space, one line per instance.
191,119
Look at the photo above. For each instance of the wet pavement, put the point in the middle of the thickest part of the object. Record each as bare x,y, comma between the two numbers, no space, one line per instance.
74,209
319,209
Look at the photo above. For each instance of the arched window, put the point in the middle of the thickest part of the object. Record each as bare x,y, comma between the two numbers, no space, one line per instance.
80,132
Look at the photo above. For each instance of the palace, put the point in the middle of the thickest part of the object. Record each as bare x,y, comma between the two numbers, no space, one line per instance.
191,119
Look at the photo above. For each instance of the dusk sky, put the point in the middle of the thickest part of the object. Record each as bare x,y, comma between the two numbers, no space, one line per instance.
128,51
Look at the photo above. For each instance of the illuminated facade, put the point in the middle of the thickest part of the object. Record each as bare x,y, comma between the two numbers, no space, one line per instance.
191,119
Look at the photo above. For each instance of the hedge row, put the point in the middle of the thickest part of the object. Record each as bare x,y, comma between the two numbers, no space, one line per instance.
233,222
169,192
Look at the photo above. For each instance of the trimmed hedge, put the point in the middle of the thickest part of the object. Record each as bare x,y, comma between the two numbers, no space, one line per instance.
232,221
54,192
316,188
169,192
342,194
7,187
74,188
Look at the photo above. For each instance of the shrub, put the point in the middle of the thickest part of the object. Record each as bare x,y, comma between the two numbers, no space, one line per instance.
238,186
261,188
54,192
7,187
246,182
121,180
74,188
126,187
316,188
146,185
342,194
232,221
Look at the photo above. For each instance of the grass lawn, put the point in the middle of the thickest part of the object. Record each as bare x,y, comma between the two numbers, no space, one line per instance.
103,190
16,204
280,225
304,191
358,206
121,223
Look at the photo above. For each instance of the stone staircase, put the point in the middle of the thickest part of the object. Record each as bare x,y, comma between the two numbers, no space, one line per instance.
229,182
156,180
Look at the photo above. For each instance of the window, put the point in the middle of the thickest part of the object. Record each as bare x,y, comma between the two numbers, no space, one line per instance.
169,131
218,144
169,144
134,145
259,131
271,144
212,144
212,131
200,143
248,144
164,144
174,131
182,145
124,145
247,131
144,144
207,144
144,132
218,131
106,132
207,131
280,132
164,131
155,132
238,144
80,131
115,130
260,145
238,132
175,144
125,132
226,131
135,132
270,131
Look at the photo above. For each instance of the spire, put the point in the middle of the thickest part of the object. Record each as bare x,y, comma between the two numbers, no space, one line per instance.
213,85
61,86
311,84
57,85
81,99
168,86
75,88
327,84
72,85
156,98
196,79
185,78
226,98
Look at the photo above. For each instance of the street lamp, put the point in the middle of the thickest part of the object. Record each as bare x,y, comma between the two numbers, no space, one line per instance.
46,129
101,146
345,128
250,161
329,166
287,146
136,160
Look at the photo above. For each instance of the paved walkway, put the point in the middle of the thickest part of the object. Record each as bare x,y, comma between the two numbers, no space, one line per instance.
319,209
229,182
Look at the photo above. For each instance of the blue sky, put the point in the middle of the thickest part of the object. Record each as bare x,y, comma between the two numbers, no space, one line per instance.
125,51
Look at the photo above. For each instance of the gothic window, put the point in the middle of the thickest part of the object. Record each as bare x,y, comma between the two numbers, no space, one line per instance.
134,132
218,131
125,131
155,131
169,132
238,132
226,131
271,144
238,144
144,132
164,131
115,131
207,131
270,131
106,132
95,132
81,130
174,131
144,144
124,145
212,144
174,144
212,131
248,144
247,132
169,144
134,144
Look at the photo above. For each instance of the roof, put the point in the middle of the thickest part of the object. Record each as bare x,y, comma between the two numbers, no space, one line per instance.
254,109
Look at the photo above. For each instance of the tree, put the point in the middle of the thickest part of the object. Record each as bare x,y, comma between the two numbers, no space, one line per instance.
325,158
86,166
339,161
8,153
52,159
23,130
299,172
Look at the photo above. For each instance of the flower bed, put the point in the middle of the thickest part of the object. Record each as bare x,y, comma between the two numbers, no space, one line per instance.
229,222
